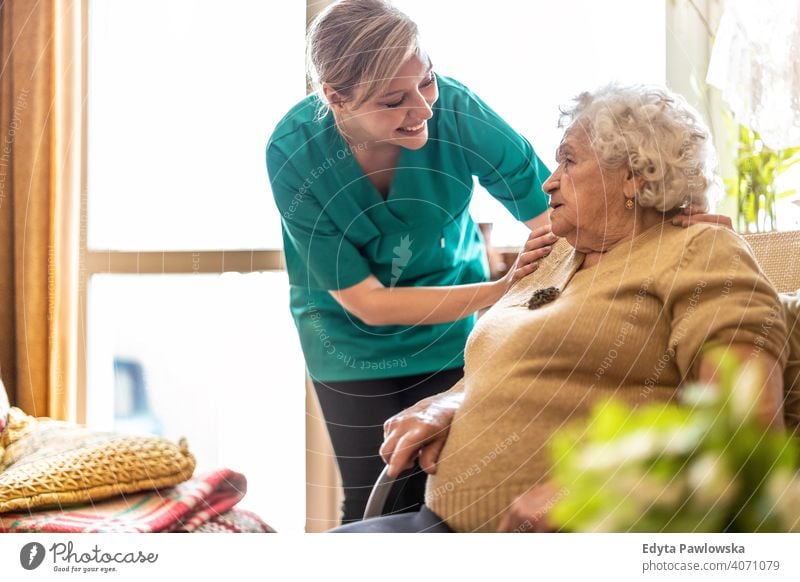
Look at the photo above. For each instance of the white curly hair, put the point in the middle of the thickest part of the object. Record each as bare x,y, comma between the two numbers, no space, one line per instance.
657,134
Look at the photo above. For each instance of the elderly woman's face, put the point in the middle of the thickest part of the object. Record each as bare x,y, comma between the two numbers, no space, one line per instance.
587,201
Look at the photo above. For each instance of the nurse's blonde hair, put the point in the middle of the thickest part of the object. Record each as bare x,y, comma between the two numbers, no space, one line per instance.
357,47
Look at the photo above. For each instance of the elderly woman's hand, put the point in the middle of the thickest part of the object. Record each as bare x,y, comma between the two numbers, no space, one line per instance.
420,430
528,512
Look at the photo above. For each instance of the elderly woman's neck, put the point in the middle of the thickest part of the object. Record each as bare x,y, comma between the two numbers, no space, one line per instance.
644,219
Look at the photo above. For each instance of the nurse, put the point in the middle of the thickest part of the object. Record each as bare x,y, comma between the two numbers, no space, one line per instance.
373,175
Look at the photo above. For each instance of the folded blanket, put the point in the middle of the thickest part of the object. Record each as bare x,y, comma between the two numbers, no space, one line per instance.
235,521
203,503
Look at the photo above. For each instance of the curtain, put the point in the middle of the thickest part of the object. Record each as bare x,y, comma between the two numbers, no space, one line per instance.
38,205
756,64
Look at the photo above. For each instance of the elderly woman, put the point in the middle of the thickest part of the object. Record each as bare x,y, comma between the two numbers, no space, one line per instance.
626,308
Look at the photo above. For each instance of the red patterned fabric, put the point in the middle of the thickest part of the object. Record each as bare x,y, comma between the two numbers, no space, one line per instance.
203,503
235,521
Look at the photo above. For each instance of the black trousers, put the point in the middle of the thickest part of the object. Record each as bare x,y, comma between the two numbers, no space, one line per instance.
354,413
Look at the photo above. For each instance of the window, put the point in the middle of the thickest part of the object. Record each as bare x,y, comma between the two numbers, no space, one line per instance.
182,98
787,207
189,331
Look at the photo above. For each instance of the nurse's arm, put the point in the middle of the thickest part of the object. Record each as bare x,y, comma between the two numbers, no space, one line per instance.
375,304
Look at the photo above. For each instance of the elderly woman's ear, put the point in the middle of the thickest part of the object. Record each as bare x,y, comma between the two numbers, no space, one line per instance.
695,213
632,186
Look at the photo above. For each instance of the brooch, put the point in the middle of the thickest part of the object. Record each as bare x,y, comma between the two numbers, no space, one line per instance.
543,297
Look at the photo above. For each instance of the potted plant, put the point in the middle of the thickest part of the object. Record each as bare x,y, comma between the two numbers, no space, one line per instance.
706,465
754,187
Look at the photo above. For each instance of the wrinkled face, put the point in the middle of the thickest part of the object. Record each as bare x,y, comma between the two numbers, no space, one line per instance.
587,201
399,115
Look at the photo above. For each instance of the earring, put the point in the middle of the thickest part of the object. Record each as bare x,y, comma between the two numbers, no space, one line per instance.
629,204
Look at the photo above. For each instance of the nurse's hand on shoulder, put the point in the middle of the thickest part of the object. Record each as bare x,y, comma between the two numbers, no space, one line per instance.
537,247
697,214
420,430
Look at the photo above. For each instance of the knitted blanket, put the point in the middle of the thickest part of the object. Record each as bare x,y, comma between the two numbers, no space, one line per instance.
204,503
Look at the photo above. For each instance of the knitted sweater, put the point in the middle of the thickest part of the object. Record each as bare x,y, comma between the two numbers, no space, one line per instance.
631,326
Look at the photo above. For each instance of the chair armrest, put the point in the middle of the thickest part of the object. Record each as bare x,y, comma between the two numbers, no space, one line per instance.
380,491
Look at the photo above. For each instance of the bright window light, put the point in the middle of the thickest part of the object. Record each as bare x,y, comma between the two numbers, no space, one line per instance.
525,59
215,359
183,95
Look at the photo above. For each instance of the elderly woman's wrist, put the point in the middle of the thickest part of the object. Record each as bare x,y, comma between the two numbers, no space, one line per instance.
448,402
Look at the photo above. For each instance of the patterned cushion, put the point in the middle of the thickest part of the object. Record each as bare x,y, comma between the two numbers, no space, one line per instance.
51,463
791,376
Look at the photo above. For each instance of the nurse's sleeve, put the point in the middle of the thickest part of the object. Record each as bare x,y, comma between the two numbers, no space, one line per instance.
329,260
504,162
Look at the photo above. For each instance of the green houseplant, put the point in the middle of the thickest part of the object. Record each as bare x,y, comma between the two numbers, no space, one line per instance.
754,187
706,465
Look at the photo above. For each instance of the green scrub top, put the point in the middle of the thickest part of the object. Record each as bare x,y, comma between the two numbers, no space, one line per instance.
338,229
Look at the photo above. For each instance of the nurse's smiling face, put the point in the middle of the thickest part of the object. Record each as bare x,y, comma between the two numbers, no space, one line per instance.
398,116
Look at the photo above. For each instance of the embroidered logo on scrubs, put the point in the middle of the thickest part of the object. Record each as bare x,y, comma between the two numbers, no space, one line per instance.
402,255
